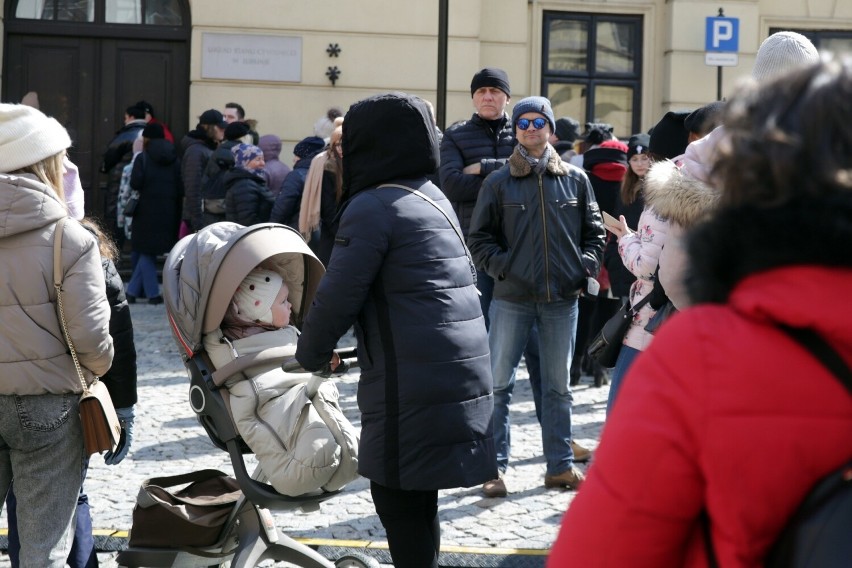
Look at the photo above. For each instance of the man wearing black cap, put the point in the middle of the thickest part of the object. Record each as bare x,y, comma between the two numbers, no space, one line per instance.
472,149
196,148
537,230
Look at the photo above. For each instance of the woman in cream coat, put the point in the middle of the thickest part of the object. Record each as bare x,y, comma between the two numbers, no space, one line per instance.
41,440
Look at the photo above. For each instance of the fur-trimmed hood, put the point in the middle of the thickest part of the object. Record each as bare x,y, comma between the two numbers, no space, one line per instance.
740,242
677,196
520,167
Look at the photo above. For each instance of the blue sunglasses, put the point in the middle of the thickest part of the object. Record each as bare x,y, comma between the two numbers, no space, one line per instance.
524,123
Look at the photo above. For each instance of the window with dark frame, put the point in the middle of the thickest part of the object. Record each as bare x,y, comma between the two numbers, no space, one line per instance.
592,68
826,41
150,12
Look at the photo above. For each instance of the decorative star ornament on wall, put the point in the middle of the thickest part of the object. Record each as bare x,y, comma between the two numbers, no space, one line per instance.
333,50
333,74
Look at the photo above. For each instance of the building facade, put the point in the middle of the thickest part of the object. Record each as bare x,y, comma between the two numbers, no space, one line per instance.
286,61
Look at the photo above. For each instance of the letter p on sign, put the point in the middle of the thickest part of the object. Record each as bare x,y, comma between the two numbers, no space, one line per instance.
722,31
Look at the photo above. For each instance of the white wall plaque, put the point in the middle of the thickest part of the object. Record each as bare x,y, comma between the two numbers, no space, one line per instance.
251,57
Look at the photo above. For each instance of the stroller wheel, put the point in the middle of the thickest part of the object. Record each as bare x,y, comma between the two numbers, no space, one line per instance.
356,560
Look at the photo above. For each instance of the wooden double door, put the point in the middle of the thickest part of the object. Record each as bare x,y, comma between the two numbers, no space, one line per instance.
86,83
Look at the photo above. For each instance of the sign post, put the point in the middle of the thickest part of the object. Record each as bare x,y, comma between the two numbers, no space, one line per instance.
721,45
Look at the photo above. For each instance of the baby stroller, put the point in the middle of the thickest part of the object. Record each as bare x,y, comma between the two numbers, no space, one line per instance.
200,276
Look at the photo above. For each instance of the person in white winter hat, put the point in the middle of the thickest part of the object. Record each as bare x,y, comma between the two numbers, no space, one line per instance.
41,437
782,52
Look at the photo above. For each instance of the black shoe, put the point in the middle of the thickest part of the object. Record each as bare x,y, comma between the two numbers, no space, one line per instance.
155,300
587,364
131,299
575,379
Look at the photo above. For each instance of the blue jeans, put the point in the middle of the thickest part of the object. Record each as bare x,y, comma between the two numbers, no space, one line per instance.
622,365
144,277
83,553
41,445
485,284
511,326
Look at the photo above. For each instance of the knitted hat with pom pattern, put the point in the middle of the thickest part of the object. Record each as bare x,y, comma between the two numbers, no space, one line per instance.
245,153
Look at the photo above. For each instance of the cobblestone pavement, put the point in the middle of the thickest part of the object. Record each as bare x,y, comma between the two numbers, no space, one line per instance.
168,440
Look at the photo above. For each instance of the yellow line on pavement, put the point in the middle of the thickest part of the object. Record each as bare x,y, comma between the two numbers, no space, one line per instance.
444,548
360,544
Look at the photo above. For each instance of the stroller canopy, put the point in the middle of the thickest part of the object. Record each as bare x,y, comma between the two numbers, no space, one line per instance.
203,270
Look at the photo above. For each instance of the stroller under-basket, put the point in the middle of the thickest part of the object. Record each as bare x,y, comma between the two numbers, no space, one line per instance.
199,278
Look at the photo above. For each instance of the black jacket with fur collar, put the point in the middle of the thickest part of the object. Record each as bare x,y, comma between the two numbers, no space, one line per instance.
539,237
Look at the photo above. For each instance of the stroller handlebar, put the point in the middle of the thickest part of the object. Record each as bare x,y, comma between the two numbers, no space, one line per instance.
348,360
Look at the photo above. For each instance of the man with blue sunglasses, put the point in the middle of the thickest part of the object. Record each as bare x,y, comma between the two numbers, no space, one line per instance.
537,230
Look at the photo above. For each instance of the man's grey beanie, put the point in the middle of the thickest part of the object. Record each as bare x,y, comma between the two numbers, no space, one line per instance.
534,104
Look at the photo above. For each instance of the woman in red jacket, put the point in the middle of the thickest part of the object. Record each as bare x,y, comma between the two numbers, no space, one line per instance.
724,413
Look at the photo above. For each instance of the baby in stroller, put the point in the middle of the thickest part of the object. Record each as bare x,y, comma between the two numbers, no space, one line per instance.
292,422
227,290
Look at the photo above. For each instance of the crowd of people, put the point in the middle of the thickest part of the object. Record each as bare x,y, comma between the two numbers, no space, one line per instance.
458,253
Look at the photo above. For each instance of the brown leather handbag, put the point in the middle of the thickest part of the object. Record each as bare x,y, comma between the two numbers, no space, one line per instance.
194,515
101,427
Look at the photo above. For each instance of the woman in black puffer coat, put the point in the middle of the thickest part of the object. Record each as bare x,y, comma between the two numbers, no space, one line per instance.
400,274
156,176
247,199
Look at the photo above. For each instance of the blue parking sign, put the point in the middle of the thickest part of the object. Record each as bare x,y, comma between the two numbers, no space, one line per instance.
723,35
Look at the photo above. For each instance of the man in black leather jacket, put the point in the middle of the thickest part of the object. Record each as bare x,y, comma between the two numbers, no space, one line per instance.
537,230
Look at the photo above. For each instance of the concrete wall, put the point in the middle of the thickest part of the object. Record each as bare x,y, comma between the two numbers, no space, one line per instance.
386,45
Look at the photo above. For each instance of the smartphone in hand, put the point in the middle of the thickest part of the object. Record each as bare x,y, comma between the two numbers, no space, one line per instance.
611,223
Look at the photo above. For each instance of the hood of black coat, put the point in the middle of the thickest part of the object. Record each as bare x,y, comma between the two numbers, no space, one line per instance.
161,151
387,137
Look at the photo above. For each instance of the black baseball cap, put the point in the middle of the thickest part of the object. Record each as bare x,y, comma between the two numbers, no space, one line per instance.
212,116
